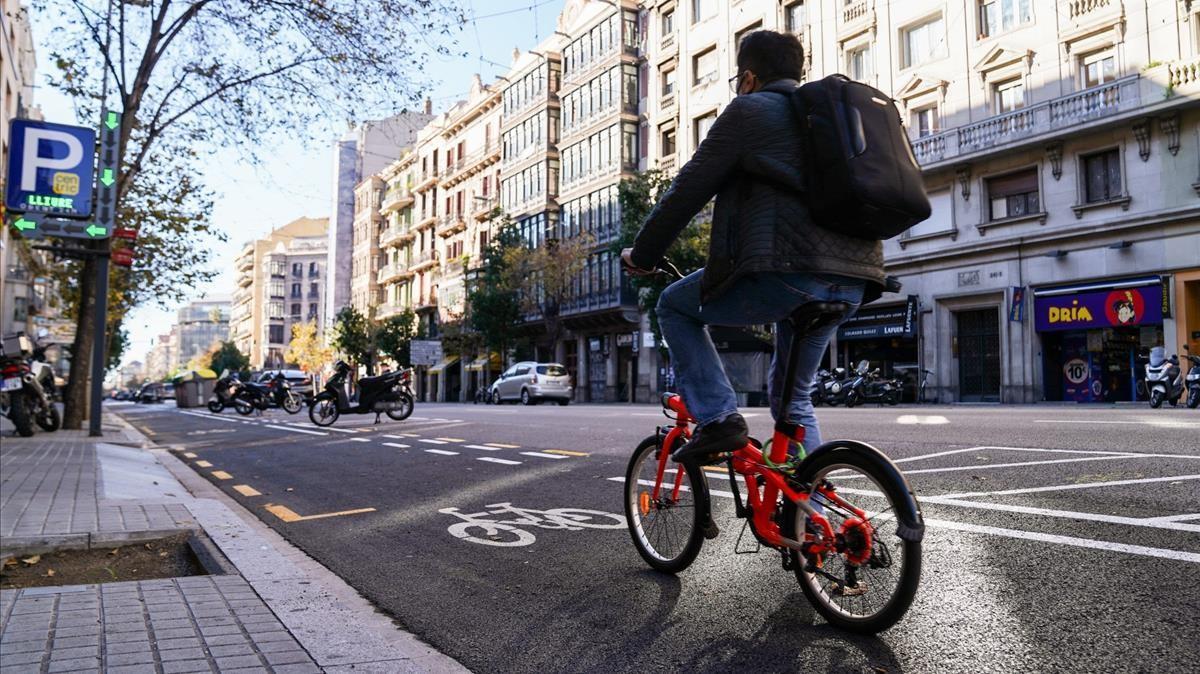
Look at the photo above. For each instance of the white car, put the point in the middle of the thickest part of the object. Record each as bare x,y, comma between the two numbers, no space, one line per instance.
531,383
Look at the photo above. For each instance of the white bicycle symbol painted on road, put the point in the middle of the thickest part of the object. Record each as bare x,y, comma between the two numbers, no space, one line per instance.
479,528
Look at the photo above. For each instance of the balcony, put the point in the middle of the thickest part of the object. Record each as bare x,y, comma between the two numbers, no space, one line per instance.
667,102
396,198
245,280
395,235
1078,11
532,101
428,179
855,11
425,302
387,273
596,301
667,164
423,260
387,310
1048,119
450,224
244,263
425,221
483,208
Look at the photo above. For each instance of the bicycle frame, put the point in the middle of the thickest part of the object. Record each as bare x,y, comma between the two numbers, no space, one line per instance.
760,499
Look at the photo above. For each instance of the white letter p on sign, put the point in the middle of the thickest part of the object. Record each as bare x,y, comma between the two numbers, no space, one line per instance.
31,161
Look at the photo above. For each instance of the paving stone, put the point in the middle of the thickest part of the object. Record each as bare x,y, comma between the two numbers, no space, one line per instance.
225,639
138,658
264,637
299,668
280,645
73,664
127,636
72,642
79,652
30,646
128,647
287,657
172,633
231,649
181,642
182,654
186,666
238,661
132,669
8,659
78,631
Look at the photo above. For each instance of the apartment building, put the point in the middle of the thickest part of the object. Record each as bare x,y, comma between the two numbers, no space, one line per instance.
363,151
396,237
280,281
199,325
1059,144
365,292
162,359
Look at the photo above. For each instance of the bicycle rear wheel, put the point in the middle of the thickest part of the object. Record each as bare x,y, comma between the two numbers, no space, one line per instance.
667,529
869,585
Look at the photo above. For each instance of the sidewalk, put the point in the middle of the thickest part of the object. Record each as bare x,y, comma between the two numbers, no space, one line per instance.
274,609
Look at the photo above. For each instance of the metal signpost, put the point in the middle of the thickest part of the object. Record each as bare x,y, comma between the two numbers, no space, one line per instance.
52,184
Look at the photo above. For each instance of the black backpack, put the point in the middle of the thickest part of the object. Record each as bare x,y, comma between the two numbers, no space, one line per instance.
861,177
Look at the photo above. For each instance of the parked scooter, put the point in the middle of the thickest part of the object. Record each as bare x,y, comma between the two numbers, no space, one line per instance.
27,390
855,383
224,392
829,387
1164,378
259,396
1193,381
388,393
877,389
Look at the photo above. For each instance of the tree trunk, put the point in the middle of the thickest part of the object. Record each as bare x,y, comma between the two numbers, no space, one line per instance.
76,401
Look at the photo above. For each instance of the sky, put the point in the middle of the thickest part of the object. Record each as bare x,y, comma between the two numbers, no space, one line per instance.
296,181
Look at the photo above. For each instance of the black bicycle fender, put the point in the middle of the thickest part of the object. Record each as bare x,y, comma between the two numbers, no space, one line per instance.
910,524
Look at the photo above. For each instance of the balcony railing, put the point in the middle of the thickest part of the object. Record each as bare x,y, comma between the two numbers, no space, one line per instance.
451,224
667,164
423,260
396,198
387,273
595,301
855,11
1079,8
1106,100
484,207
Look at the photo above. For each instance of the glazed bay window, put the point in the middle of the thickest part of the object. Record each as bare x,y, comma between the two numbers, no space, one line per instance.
925,121
667,25
704,67
1097,68
858,63
275,334
1102,176
923,42
794,17
1009,96
999,16
1013,195
702,124
668,82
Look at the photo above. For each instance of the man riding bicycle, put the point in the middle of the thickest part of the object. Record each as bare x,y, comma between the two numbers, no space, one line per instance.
766,257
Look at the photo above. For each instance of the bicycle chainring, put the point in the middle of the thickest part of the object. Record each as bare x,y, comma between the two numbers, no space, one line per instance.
856,536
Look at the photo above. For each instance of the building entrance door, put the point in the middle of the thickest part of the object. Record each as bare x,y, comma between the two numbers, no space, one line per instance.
978,338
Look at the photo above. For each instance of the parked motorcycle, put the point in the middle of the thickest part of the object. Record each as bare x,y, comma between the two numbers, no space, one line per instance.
259,396
224,392
854,384
1193,381
388,393
27,390
877,389
829,387
1164,378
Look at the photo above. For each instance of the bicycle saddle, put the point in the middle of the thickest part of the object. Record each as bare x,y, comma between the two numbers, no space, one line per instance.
809,317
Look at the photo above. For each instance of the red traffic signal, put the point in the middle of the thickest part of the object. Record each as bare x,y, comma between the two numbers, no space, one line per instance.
122,257
125,233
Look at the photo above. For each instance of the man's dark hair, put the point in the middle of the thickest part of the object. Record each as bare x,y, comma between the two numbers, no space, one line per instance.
771,55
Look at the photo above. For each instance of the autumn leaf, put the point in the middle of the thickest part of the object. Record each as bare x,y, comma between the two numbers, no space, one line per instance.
49,573
30,561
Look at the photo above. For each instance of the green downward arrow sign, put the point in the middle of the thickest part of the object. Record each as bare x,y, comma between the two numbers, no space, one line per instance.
22,224
110,120
95,230
106,177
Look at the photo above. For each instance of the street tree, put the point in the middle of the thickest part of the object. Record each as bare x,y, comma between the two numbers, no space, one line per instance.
351,336
306,349
544,277
229,357
493,304
394,334
637,196
237,74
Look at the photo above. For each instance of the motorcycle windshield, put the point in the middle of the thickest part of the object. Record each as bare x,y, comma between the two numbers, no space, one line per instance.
1158,356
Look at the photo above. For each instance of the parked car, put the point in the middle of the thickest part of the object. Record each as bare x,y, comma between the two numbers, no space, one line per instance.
531,383
299,381
151,393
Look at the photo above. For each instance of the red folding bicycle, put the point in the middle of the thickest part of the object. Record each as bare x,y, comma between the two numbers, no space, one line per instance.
843,518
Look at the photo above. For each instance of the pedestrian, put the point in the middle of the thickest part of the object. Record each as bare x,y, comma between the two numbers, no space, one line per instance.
767,254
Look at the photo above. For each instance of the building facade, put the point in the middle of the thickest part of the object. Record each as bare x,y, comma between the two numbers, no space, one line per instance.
366,295
280,281
199,325
162,358
365,150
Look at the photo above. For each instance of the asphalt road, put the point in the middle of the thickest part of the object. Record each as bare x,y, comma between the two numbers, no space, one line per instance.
1071,541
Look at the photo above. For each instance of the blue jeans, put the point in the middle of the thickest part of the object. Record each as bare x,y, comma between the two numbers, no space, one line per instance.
754,299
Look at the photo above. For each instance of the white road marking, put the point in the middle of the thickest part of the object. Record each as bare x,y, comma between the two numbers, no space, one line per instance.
340,430
432,442
1175,518
294,430
931,420
483,447
1160,423
360,439
395,444
493,459
1061,514
1064,487
544,455
394,437
1164,553
986,466
443,452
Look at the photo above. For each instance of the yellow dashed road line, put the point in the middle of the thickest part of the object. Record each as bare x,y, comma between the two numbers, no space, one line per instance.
221,475
288,515
189,455
565,452
246,490
204,464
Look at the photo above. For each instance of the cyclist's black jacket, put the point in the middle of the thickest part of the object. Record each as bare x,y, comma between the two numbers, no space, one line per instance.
751,162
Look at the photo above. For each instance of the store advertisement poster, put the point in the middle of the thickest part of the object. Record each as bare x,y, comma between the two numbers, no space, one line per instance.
1100,309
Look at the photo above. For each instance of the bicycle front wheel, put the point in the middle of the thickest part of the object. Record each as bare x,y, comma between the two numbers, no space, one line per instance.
668,526
871,581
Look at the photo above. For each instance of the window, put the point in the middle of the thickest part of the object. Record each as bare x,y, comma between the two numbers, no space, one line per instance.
668,142
1102,176
924,42
276,289
1009,96
704,67
668,22
998,16
925,121
941,218
295,290
275,309
275,334
312,311
297,269
1013,195
702,9
858,63
702,125
668,82
737,37
314,289
794,17
20,308
313,269
296,311
1098,68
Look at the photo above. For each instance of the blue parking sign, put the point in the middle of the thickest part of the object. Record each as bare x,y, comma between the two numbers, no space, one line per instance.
50,168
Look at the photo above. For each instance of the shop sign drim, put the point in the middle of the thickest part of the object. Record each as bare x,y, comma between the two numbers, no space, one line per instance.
1106,308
